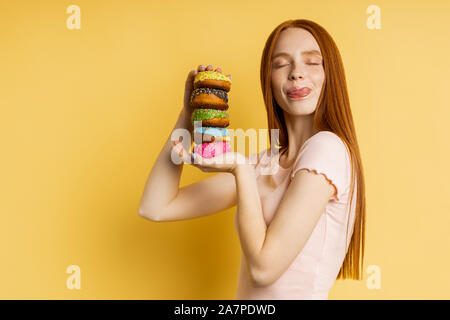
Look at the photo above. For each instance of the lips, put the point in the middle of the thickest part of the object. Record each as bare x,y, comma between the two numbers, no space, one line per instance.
298,92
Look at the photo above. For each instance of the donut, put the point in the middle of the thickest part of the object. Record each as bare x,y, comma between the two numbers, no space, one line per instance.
210,134
212,149
209,98
218,132
211,117
212,79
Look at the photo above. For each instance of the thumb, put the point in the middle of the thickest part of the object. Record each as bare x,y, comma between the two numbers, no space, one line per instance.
189,85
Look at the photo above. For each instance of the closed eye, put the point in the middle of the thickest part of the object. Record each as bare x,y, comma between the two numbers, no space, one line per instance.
284,65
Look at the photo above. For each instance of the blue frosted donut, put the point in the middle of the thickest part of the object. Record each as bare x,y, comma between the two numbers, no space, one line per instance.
213,131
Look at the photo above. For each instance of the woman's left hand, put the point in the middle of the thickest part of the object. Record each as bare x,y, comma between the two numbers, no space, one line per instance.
226,162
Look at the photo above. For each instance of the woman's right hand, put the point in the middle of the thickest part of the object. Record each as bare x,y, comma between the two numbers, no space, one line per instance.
189,86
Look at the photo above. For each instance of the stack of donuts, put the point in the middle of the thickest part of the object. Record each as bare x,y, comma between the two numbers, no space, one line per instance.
209,101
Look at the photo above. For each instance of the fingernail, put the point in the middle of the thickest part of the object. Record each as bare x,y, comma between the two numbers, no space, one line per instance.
209,65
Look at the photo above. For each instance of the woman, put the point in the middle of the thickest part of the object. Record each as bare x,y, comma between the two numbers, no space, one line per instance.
301,227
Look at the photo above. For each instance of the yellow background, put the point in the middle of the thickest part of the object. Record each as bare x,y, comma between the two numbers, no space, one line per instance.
84,114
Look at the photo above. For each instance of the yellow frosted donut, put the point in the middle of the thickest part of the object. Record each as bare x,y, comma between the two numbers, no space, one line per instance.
212,79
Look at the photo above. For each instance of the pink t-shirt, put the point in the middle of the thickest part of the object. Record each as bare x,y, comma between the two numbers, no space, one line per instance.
313,272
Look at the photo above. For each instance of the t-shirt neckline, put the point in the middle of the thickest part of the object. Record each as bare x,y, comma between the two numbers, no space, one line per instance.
304,143
277,159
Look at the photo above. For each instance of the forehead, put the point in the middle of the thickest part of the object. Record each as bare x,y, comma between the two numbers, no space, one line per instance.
295,40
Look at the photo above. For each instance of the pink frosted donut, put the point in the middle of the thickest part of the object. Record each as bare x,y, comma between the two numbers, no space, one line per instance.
212,149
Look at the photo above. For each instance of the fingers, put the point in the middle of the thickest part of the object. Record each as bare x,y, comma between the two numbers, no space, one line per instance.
194,159
200,162
191,74
209,67
177,147
207,137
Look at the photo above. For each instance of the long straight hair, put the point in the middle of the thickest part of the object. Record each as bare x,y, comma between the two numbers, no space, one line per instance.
332,114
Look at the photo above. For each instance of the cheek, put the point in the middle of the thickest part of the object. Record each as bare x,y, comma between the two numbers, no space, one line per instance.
319,78
276,81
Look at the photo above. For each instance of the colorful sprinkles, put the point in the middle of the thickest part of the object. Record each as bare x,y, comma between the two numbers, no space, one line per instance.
210,150
219,93
206,114
207,75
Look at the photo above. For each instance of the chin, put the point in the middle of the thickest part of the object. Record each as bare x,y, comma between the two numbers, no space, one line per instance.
296,109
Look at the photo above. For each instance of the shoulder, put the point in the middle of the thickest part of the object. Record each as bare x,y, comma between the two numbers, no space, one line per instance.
326,138
326,153
326,143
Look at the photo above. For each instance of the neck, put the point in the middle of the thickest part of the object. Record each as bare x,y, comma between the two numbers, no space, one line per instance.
299,129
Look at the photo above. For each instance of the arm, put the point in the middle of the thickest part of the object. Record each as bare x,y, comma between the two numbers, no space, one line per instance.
162,200
162,184
251,226
270,250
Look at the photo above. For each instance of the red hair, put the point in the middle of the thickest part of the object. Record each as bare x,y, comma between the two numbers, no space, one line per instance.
332,114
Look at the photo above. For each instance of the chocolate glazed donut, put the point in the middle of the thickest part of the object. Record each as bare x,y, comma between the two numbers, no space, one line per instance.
211,83
209,98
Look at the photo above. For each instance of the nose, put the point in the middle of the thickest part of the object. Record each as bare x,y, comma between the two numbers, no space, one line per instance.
296,73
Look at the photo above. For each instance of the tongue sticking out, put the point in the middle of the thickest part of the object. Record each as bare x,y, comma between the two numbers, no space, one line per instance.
300,93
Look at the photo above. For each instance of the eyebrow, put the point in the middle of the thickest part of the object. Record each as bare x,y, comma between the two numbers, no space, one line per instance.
308,52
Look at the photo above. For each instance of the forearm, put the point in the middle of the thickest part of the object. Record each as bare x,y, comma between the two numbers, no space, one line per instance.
250,221
163,182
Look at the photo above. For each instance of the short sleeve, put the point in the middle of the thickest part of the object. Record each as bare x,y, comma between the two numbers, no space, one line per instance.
325,153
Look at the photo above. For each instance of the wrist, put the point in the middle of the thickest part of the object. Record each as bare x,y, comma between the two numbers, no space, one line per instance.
240,168
185,119
185,113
